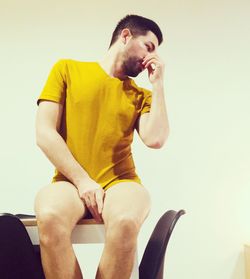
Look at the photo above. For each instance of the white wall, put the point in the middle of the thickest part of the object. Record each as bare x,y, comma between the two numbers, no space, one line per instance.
203,168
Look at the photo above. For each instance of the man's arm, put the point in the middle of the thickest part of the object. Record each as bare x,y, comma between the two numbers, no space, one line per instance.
48,122
153,127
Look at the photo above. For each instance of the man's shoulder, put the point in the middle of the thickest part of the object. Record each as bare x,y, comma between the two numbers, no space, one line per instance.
73,62
69,66
144,90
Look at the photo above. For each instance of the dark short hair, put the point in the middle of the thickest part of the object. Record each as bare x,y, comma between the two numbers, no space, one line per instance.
138,26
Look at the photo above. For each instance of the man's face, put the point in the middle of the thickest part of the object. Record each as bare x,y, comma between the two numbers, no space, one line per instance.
136,50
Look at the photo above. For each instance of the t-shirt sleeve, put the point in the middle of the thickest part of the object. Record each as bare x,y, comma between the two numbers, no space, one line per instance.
55,86
146,102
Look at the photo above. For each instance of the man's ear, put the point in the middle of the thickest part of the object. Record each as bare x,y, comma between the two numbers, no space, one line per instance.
126,35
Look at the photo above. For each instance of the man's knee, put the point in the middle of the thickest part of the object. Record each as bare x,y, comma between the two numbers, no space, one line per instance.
58,205
53,219
53,228
122,231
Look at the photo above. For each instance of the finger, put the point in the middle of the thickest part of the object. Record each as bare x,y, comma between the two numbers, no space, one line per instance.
93,213
149,57
150,69
98,217
99,200
90,202
152,61
86,201
92,199
149,63
93,207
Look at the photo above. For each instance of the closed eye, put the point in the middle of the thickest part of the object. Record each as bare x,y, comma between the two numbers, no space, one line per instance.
148,48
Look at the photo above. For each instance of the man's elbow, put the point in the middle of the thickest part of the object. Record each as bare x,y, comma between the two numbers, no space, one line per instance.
158,142
42,138
40,141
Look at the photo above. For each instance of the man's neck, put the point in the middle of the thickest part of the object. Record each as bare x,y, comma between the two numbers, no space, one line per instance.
112,64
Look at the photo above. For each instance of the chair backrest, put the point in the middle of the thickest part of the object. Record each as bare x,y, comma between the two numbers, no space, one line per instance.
152,263
18,259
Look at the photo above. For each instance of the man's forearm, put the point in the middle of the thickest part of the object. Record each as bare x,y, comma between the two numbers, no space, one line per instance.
157,125
57,151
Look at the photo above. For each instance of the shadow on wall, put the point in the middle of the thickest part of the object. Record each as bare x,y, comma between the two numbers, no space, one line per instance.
239,269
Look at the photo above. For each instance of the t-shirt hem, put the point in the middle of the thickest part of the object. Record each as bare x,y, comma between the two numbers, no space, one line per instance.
49,98
122,180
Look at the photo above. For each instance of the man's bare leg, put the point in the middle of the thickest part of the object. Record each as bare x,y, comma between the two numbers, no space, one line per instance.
58,207
126,206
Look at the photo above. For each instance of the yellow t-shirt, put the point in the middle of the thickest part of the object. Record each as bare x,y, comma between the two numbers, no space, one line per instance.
98,119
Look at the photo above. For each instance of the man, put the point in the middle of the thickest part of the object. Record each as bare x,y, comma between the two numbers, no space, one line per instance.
85,122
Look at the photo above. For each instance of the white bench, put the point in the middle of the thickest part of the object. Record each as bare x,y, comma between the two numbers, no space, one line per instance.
86,231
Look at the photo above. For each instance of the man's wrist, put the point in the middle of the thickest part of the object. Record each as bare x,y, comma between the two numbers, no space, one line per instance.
158,86
79,182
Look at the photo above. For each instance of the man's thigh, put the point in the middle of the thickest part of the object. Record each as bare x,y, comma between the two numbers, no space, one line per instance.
61,200
126,200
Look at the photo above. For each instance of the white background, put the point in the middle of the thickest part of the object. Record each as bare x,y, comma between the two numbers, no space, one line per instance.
204,166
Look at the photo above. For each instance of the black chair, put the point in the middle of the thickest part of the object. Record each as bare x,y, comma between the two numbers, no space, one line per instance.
18,258
152,262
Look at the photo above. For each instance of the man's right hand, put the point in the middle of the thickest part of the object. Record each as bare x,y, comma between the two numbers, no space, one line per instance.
92,195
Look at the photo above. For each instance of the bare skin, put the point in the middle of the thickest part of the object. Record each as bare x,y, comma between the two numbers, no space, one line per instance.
59,206
123,220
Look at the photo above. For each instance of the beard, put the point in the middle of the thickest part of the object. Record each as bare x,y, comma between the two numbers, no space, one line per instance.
132,66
